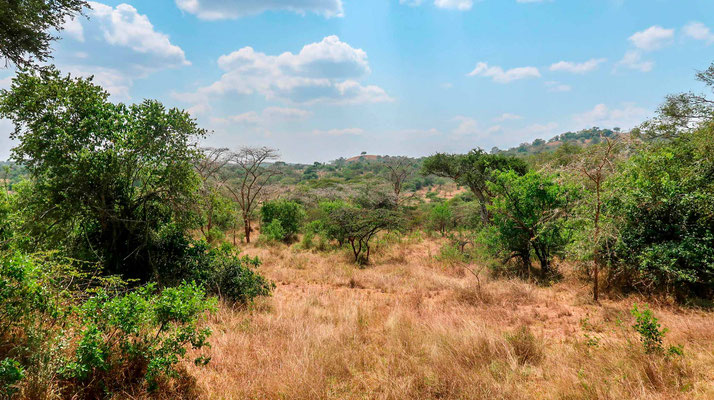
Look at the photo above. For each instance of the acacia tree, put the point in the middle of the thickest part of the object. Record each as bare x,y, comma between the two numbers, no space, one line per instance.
357,226
473,170
399,169
253,176
211,168
25,27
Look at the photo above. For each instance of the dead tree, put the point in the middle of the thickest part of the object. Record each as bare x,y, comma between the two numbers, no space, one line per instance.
253,176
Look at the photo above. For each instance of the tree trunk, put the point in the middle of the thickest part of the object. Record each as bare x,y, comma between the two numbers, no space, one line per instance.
246,226
485,216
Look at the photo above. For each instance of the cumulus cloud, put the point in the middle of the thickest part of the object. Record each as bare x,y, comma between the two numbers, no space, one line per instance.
232,9
507,117
118,45
461,5
555,86
577,68
652,38
468,126
338,132
500,76
633,60
327,71
626,117
269,116
123,26
699,31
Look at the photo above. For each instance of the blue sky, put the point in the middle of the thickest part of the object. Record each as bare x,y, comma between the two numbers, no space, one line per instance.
320,79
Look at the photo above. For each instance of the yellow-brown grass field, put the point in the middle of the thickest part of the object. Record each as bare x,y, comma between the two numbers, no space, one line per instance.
411,327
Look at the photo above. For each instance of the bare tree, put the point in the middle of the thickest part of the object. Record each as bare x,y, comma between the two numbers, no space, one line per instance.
597,170
399,170
211,169
253,176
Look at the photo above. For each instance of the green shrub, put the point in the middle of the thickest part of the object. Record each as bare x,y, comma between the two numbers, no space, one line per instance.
11,372
646,324
284,214
67,331
220,270
235,279
274,231
137,337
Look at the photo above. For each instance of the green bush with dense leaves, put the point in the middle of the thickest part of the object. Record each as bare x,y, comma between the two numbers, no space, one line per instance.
72,333
281,219
528,213
663,202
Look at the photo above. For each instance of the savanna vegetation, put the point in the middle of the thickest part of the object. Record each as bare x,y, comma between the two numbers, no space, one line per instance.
135,263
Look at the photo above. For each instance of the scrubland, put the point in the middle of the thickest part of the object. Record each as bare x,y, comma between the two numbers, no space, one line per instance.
411,326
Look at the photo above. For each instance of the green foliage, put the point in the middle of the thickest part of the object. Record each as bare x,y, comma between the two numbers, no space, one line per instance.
105,177
274,231
235,279
11,372
646,324
281,219
91,335
473,170
663,202
528,214
357,226
26,28
441,217
144,332
221,270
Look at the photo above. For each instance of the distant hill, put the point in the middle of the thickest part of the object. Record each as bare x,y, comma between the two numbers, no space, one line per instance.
581,138
369,157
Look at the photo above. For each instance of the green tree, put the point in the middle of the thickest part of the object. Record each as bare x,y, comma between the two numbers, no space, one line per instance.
288,215
441,217
663,204
25,27
359,225
473,170
105,177
528,213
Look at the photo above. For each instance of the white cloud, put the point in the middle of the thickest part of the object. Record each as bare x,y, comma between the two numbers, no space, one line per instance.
411,3
116,45
338,132
461,5
73,27
327,71
114,81
468,126
626,117
652,38
577,68
633,60
269,116
508,117
123,26
699,31
231,9
555,86
500,76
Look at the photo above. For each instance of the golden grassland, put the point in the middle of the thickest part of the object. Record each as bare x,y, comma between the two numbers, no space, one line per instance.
411,327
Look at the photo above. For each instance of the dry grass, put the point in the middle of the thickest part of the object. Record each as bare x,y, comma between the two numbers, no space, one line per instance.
408,327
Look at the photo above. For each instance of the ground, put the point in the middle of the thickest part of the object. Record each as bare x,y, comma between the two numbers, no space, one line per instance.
412,327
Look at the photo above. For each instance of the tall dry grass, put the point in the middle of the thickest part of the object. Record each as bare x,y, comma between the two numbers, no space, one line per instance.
410,327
